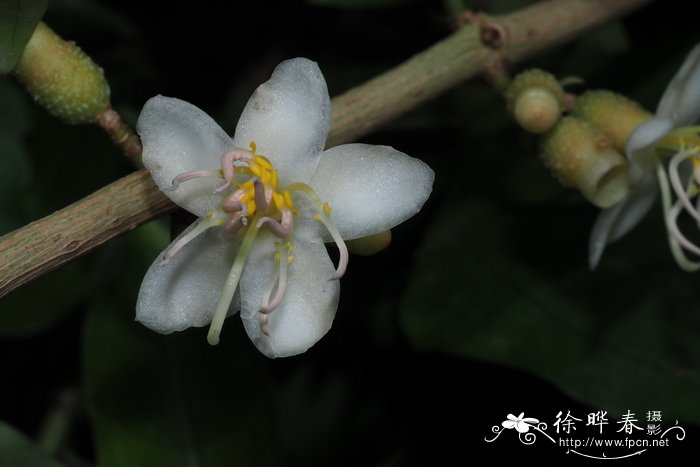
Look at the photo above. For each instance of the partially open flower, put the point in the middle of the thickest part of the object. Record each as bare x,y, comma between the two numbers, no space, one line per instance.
581,156
679,107
267,199
612,113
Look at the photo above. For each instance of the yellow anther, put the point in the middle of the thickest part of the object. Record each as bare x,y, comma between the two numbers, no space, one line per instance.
274,179
317,217
257,170
326,209
289,246
288,199
278,200
277,257
295,212
264,162
290,259
253,147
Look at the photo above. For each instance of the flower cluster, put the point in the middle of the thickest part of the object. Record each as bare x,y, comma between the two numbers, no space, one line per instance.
666,133
267,200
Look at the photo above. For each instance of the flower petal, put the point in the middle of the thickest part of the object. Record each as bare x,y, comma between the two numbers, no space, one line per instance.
681,100
309,304
371,188
618,220
178,137
288,117
614,222
639,148
184,292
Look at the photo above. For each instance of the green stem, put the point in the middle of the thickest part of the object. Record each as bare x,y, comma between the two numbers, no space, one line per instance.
232,280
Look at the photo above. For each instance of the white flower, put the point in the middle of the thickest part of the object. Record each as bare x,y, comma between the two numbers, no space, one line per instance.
267,200
522,425
679,107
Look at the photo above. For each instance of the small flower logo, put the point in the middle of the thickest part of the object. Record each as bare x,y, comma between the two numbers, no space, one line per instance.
520,423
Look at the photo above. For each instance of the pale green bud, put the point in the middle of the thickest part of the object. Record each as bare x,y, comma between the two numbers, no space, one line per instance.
614,114
536,100
62,78
581,156
367,246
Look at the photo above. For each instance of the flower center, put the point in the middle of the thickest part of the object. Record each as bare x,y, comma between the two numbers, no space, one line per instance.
252,200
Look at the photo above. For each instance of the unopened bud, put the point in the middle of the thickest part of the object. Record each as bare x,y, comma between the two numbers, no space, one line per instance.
581,156
62,78
367,246
614,114
536,100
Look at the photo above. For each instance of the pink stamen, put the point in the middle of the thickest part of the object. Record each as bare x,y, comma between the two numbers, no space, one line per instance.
227,167
264,326
671,224
269,306
183,177
342,262
235,224
263,196
280,229
677,185
188,237
233,203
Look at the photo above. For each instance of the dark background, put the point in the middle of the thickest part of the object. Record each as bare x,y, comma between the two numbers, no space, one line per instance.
413,371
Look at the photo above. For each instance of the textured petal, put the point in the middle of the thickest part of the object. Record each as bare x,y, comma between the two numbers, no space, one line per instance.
288,117
178,137
615,222
309,305
371,188
184,292
681,100
640,150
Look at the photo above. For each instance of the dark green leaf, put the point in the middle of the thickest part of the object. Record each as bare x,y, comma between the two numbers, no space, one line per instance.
512,287
18,451
174,400
18,19
26,311
14,118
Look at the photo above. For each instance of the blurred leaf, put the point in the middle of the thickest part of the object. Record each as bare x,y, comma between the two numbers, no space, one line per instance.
18,19
91,16
14,118
491,284
358,4
499,6
27,311
174,400
15,174
18,451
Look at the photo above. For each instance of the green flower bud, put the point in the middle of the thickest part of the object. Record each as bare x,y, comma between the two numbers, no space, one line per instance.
62,78
614,114
367,246
581,156
536,100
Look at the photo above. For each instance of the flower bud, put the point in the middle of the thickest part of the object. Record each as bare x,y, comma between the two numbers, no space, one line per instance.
581,156
367,246
62,78
536,100
614,114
